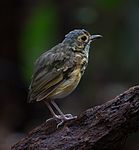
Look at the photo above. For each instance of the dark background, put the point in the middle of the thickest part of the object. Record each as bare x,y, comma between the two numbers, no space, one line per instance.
29,27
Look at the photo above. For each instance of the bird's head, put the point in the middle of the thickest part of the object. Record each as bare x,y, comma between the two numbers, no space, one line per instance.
80,39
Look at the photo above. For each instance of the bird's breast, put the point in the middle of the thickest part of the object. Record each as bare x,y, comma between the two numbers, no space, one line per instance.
69,84
81,61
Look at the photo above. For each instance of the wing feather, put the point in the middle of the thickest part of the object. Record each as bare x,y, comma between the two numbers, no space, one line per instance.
48,74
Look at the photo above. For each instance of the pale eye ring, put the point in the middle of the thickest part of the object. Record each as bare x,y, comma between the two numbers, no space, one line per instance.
84,38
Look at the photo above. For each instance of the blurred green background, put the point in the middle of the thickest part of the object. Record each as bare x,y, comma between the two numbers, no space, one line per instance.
31,27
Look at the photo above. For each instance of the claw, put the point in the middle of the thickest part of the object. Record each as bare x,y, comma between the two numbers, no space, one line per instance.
65,118
60,124
62,119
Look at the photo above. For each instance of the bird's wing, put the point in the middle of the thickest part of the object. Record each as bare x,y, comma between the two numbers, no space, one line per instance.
48,74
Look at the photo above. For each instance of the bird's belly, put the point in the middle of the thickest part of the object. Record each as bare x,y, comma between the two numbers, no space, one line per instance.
68,85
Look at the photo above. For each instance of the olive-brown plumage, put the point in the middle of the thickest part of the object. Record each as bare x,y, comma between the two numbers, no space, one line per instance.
59,70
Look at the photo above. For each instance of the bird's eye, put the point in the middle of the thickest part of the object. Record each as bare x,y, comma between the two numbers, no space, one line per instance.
84,38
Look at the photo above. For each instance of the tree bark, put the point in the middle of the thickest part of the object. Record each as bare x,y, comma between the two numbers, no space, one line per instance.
103,127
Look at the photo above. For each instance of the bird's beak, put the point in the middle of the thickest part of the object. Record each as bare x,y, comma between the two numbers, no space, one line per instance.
94,37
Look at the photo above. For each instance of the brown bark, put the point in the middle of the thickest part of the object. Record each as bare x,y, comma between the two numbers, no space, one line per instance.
103,127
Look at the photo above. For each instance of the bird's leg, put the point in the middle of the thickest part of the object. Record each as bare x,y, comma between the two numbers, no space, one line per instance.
51,110
63,117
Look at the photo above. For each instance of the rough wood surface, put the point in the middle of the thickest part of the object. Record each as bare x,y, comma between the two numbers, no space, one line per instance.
103,127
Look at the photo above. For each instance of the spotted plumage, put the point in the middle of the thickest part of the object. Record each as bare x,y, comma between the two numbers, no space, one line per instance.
59,70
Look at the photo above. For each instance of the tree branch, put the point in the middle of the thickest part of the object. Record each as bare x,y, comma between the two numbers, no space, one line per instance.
103,127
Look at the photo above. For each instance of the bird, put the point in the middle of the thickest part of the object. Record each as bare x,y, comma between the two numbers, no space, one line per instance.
58,71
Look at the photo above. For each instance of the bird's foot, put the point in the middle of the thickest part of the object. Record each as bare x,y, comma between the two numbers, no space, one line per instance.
69,117
64,118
